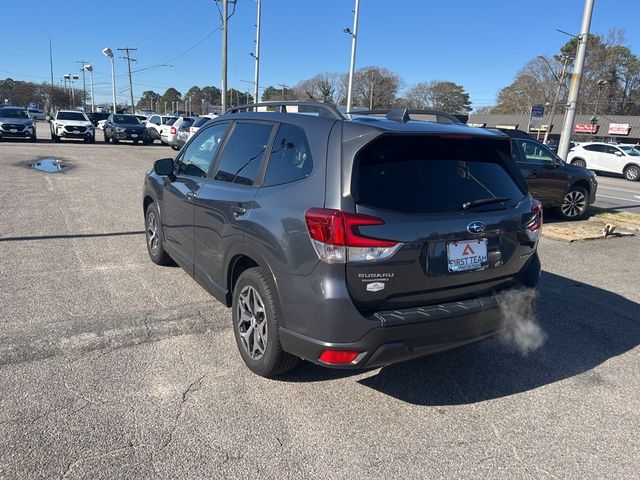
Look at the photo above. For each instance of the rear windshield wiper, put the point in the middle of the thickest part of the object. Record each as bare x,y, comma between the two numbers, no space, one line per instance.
483,201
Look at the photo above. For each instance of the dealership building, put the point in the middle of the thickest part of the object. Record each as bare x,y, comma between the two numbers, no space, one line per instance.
608,128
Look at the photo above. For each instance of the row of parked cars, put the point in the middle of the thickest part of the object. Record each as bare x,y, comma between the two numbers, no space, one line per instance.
18,122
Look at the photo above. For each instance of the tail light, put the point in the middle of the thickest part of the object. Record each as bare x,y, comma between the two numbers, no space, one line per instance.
534,225
336,237
173,130
338,357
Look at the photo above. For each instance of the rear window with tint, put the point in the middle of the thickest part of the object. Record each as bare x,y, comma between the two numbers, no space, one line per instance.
200,121
432,174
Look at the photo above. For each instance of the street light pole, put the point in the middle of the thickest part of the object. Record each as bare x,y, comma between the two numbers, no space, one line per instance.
89,68
555,99
107,52
563,147
354,38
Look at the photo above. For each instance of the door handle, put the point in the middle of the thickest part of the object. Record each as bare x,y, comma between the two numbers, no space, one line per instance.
237,210
533,173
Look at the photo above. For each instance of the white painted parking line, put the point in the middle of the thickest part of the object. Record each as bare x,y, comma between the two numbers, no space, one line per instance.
618,198
603,187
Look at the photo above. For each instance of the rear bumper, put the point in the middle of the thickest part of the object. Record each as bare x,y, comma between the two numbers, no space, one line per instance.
439,328
388,337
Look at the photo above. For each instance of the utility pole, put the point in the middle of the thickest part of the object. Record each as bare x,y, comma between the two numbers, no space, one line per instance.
225,26
283,87
555,99
51,61
257,57
84,86
129,60
354,38
563,147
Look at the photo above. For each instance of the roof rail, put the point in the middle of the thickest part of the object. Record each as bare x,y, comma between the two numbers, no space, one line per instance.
323,109
392,114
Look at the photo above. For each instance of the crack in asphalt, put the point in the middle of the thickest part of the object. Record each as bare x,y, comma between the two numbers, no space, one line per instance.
193,387
94,456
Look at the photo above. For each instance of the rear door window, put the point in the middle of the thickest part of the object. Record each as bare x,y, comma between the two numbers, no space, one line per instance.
243,153
290,156
433,174
594,148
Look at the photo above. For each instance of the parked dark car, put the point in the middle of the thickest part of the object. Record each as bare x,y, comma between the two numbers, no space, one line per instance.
348,243
553,145
125,127
568,189
95,117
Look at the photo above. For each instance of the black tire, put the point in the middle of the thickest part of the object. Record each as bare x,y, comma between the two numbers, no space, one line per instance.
114,140
154,238
106,139
574,204
578,162
632,173
136,142
54,137
146,141
174,147
33,139
273,361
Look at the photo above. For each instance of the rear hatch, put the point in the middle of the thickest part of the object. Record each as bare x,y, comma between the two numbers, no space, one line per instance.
459,210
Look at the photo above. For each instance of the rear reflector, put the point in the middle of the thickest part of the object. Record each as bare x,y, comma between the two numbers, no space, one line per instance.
337,357
336,236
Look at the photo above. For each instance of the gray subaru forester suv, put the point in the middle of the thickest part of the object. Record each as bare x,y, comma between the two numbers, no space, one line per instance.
346,241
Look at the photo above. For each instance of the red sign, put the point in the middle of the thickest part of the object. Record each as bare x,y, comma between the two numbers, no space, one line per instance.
585,128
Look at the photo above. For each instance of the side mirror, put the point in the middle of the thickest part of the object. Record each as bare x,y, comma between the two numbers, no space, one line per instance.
163,167
618,153
557,162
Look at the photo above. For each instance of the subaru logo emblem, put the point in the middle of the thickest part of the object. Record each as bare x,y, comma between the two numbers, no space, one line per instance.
476,227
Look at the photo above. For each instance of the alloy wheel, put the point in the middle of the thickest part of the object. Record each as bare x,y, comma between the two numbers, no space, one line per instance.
632,173
252,322
574,204
152,233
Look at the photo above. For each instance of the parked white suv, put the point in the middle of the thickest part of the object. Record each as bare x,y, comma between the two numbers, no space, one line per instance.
605,157
72,124
155,123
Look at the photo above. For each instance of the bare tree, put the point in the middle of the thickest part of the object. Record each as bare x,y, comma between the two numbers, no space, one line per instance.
374,87
323,87
439,95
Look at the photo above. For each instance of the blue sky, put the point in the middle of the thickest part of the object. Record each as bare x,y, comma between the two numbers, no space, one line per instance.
478,44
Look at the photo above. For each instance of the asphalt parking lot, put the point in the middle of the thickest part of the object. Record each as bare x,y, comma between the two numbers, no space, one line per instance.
617,193
114,368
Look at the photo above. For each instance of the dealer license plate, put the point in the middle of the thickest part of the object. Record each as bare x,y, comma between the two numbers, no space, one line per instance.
14,130
134,135
467,255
